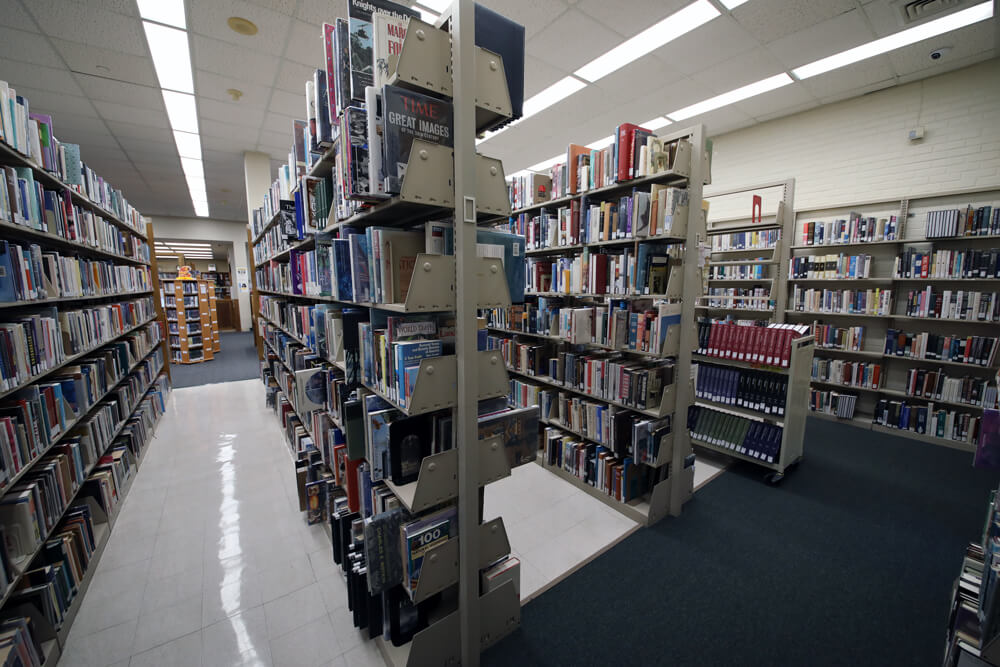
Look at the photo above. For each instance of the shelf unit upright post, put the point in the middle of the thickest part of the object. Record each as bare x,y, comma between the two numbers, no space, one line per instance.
463,59
161,313
784,220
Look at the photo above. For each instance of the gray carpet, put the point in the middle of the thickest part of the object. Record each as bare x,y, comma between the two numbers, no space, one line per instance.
849,561
236,361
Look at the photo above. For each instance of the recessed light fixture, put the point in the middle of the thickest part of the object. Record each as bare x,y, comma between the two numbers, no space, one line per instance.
745,92
650,39
242,26
919,33
171,56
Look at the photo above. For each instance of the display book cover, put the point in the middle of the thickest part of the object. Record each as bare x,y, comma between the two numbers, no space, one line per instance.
988,447
362,49
385,565
409,115
419,537
378,415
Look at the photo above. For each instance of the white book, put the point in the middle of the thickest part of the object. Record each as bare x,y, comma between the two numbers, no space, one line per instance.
373,106
387,43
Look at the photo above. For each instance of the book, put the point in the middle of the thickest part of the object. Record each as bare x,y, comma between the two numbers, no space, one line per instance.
361,44
409,442
388,34
419,537
409,115
499,34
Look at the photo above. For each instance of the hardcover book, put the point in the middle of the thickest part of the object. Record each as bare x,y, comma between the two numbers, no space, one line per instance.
362,49
408,116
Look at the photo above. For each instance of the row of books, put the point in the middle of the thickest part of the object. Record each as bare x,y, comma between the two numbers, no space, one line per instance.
376,266
632,271
662,211
967,264
35,343
739,271
848,373
849,301
33,136
770,345
739,298
945,223
25,202
391,349
764,239
597,466
856,229
40,415
19,642
834,403
936,385
625,433
635,153
972,350
748,437
839,338
925,419
761,391
829,267
971,306
27,273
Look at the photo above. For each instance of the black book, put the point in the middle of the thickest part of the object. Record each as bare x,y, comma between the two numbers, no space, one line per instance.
407,116
286,223
409,442
405,618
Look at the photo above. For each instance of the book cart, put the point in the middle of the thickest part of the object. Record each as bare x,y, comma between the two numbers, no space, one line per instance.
191,320
690,169
440,182
145,375
862,341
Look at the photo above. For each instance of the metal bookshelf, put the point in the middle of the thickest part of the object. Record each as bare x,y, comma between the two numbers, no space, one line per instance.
690,170
443,182
911,214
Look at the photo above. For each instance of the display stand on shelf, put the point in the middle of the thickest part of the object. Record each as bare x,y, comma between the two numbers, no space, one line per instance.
869,301
747,252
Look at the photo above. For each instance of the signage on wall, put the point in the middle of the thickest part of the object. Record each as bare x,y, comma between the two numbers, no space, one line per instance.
241,278
211,267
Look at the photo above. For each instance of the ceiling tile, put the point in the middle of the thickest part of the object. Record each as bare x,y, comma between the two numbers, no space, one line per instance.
739,71
40,78
228,158
640,15
232,112
120,92
823,39
17,17
209,19
789,97
106,63
144,149
126,7
305,44
720,121
637,78
832,85
125,131
318,12
216,87
539,75
533,15
125,114
55,104
883,17
276,138
215,128
234,61
280,124
788,111
87,24
292,77
572,41
717,41
225,143
24,46
947,66
969,41
767,20
289,105
72,128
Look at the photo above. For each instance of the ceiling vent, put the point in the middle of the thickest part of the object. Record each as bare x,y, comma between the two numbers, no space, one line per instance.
917,11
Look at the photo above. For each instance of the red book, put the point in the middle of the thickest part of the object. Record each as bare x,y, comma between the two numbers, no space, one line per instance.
728,342
925,266
574,221
351,484
713,337
742,342
786,348
600,285
767,347
626,131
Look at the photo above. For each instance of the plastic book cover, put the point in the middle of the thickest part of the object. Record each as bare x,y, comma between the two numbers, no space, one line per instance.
299,129
988,447
316,502
421,536
385,565
518,429
409,442
408,115
389,32
354,145
360,268
362,49
513,258
286,222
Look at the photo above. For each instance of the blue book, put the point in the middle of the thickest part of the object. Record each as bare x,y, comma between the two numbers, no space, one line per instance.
407,355
7,291
360,269
513,259
378,423
300,216
343,288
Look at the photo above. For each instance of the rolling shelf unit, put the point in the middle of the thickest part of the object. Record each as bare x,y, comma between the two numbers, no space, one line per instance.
444,183
52,639
691,169
911,214
776,196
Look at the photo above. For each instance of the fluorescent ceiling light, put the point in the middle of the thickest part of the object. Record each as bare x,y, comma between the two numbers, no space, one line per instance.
650,39
181,111
192,167
601,143
435,5
656,123
750,90
427,16
927,30
732,4
188,144
559,90
171,56
170,12
545,164
201,209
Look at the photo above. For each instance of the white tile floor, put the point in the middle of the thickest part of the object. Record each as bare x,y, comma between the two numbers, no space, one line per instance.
212,564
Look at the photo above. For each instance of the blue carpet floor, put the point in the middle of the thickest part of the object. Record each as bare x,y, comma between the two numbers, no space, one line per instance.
236,361
849,561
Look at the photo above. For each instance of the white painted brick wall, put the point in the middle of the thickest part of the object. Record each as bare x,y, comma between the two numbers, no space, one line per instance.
857,150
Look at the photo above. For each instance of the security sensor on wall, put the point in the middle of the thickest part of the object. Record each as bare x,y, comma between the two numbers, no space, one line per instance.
916,134
939,53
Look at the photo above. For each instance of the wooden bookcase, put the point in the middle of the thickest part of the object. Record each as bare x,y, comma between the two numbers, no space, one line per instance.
191,320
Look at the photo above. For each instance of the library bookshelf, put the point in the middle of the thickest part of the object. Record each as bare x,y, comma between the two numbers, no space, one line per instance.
689,170
192,319
127,401
440,182
897,368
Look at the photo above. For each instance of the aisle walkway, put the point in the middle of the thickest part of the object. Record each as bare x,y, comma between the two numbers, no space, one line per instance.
236,361
210,563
